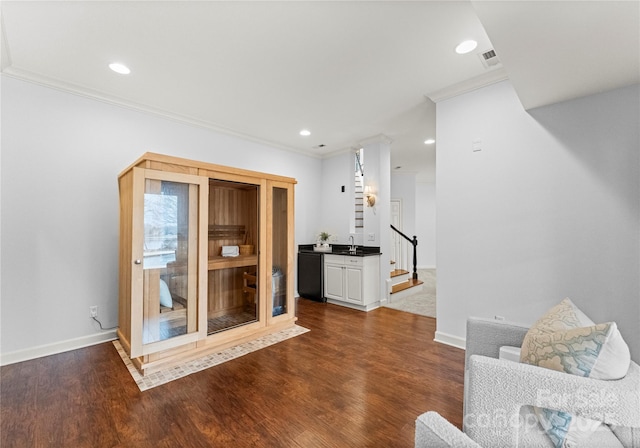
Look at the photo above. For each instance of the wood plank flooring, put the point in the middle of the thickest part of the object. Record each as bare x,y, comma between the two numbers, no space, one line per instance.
355,380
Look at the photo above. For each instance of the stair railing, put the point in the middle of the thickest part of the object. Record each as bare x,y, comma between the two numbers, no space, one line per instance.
359,168
358,194
414,242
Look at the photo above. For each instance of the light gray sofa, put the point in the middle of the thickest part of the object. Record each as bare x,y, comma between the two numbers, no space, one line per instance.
499,395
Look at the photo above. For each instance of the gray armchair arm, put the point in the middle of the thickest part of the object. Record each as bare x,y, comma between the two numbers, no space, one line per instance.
433,431
496,391
486,336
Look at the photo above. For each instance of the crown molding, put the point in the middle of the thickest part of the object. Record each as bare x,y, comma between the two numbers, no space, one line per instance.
328,155
5,57
486,79
380,138
87,92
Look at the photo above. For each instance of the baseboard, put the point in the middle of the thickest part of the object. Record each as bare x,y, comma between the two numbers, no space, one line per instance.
366,308
449,339
56,347
426,267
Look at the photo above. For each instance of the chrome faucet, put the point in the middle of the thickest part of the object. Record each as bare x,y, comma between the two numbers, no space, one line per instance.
353,245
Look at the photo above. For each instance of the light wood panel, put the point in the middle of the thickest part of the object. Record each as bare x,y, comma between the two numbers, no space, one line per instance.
192,192
225,292
172,167
233,204
178,164
125,185
280,248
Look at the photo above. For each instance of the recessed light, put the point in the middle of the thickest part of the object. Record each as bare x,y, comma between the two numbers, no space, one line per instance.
429,141
305,133
466,46
119,68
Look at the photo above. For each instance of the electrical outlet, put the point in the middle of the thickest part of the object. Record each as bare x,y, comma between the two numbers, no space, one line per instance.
93,311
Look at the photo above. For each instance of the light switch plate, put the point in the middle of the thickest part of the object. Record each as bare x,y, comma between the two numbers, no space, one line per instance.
371,237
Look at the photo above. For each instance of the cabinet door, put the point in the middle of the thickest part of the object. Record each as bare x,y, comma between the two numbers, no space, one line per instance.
168,269
333,281
354,284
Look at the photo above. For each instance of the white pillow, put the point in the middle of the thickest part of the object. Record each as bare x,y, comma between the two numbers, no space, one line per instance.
566,340
165,295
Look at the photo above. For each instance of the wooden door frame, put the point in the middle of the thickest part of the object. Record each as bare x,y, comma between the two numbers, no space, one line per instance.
140,175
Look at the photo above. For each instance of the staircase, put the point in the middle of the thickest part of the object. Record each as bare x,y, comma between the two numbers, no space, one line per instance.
359,194
403,283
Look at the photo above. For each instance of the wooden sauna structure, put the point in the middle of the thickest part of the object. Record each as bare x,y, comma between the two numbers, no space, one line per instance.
206,258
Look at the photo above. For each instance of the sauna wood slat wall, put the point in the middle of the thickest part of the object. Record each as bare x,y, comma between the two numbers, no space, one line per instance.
229,205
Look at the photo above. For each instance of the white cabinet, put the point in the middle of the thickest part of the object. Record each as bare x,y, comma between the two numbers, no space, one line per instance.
334,280
352,281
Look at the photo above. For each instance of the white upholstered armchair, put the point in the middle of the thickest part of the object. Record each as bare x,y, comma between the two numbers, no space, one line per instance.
499,395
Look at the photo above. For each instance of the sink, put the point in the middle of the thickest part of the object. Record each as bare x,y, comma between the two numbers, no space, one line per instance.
347,252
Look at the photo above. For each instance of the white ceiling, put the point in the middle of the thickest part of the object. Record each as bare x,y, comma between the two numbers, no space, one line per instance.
347,71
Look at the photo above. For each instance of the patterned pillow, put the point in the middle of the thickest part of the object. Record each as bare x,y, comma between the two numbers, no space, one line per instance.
566,340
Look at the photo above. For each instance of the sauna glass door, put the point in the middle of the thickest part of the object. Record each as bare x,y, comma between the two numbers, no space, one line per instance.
233,254
280,249
167,256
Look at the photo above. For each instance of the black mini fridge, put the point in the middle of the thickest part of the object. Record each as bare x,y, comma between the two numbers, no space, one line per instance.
311,276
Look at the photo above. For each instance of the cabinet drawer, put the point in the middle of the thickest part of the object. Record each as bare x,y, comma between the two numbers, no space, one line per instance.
334,259
344,260
353,261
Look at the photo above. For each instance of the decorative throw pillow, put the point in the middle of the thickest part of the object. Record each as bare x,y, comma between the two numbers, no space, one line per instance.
566,340
165,295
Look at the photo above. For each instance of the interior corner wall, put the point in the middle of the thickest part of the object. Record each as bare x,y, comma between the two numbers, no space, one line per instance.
335,205
403,187
425,206
419,214
61,156
377,219
547,209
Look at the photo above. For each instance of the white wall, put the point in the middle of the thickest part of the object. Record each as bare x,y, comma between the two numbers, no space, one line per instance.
377,219
548,209
61,155
419,214
426,224
403,187
377,175
336,206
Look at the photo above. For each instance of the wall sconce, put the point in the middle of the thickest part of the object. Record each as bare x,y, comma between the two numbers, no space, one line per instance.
371,197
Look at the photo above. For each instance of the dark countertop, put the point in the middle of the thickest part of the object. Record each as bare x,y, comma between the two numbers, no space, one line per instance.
342,249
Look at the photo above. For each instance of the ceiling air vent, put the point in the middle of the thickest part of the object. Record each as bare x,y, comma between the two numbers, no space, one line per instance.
489,58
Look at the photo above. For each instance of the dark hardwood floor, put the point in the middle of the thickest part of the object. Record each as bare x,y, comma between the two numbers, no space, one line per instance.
355,380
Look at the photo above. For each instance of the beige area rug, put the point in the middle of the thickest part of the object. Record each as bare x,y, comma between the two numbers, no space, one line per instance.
423,302
173,373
